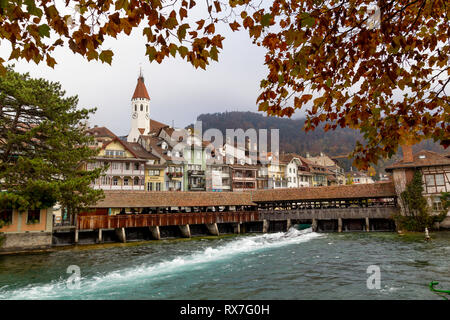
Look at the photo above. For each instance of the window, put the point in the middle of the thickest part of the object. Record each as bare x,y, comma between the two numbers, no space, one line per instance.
34,216
142,107
116,166
439,179
429,180
146,109
150,186
437,204
125,181
433,180
6,215
136,181
135,107
127,166
158,186
136,166
115,181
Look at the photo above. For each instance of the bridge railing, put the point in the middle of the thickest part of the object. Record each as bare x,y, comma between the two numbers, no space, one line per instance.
166,219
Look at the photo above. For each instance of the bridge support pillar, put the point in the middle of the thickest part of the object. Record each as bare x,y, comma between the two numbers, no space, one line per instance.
100,236
212,229
339,224
185,231
237,228
76,236
265,226
314,225
156,235
367,224
120,233
288,224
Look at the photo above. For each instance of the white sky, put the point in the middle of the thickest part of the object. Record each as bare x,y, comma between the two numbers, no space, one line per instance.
178,91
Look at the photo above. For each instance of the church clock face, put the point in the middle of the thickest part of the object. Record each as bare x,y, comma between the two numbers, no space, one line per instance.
146,116
134,115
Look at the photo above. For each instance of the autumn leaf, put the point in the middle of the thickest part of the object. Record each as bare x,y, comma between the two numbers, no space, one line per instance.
234,26
106,56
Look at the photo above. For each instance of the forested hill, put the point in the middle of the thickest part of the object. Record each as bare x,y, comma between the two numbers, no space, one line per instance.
293,138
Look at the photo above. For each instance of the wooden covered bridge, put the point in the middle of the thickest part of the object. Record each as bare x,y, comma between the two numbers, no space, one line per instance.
128,215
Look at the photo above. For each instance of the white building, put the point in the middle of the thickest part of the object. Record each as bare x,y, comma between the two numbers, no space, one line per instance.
140,111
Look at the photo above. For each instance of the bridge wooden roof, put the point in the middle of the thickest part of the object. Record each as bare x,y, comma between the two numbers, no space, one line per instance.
355,191
144,199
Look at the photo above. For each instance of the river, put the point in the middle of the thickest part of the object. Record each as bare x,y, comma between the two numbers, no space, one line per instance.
291,265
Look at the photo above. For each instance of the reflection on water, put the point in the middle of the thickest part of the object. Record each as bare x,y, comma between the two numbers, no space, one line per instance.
292,265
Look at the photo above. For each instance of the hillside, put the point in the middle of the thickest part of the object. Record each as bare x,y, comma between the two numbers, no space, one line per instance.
294,139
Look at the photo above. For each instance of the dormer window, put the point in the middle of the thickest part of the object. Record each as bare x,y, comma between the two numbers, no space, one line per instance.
422,156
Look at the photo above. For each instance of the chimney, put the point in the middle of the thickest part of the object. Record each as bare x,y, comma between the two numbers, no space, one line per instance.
407,153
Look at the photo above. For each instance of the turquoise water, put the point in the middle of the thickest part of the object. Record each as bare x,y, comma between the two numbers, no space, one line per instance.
292,265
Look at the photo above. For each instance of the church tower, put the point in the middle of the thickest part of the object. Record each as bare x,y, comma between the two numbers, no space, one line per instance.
140,111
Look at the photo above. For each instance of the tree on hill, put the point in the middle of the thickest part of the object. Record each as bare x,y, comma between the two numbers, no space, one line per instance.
43,146
375,65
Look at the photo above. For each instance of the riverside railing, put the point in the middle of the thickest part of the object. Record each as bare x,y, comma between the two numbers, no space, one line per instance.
165,219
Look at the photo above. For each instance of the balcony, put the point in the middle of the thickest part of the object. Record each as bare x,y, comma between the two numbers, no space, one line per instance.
196,173
113,187
121,172
172,175
197,187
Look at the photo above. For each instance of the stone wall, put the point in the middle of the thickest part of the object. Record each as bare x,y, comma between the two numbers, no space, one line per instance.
11,242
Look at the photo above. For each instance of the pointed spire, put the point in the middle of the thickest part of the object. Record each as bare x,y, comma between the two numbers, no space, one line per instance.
141,90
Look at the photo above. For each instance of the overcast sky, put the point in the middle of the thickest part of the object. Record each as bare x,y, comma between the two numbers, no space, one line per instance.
178,91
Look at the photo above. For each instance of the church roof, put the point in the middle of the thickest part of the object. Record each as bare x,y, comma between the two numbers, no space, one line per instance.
141,90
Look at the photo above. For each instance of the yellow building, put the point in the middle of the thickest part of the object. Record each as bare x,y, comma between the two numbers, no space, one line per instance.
154,177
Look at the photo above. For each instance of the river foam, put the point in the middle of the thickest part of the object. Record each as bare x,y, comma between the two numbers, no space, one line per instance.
57,289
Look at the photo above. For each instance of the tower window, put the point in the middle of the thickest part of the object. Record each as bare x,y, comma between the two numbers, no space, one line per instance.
142,107
146,108
135,107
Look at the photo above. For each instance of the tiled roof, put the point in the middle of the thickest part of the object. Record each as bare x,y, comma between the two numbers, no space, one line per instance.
101,132
139,151
385,189
155,144
422,158
140,199
155,126
141,90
